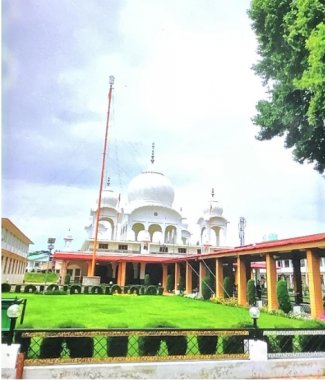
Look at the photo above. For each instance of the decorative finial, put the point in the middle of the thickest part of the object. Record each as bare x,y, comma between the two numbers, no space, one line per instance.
111,80
153,153
212,192
108,181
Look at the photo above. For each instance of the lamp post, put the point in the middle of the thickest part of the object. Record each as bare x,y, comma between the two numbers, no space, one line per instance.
254,313
13,313
50,246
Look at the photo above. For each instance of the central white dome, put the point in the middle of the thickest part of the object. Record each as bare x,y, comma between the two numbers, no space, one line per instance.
151,186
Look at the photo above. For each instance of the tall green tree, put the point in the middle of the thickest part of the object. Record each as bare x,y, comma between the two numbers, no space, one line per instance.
291,44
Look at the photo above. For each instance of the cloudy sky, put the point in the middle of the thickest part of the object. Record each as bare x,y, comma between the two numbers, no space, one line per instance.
183,80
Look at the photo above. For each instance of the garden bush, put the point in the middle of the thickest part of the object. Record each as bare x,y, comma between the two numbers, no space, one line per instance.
148,345
56,292
52,287
235,344
181,284
116,289
18,288
151,290
176,345
79,347
160,290
5,287
207,344
228,286
96,290
283,296
117,346
279,343
312,343
30,289
86,289
75,289
206,287
107,290
51,347
251,292
135,289
170,283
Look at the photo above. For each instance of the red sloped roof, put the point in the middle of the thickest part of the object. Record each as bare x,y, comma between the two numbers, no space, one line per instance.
114,258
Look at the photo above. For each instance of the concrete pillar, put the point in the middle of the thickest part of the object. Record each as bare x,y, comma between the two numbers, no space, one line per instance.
315,288
164,276
121,274
241,281
177,274
219,279
202,272
297,282
271,281
142,272
63,270
189,287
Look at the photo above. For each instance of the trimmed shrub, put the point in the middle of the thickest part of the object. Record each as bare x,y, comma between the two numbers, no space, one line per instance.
52,287
30,289
207,344
79,347
283,296
5,287
116,288
18,288
86,289
117,346
51,347
147,281
148,345
235,344
176,345
66,288
135,289
108,290
181,284
75,289
251,292
56,293
151,290
228,286
206,287
96,290
160,291
312,343
170,283
279,343
41,288
67,279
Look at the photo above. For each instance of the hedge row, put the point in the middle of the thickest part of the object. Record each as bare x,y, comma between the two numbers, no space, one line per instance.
79,289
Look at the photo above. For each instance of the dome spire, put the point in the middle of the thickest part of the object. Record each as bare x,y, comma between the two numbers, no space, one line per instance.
108,181
153,153
212,192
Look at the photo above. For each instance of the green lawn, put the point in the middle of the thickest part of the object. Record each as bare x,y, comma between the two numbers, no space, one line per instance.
102,311
40,278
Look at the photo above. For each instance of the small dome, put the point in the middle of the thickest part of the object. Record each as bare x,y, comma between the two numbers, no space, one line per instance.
109,198
151,186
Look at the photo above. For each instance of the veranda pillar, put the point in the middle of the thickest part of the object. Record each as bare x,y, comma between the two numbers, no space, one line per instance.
121,274
241,281
271,280
63,271
297,281
315,289
203,272
164,276
189,287
177,275
219,279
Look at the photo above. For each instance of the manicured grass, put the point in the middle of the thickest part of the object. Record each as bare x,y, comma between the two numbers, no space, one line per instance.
102,311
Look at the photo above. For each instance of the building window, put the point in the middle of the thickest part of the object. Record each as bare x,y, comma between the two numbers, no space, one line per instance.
198,251
155,213
122,247
163,249
181,250
103,246
286,263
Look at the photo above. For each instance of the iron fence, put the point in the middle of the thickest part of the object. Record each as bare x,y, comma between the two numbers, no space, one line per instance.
43,346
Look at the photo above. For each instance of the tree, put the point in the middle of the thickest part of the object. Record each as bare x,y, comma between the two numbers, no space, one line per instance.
291,43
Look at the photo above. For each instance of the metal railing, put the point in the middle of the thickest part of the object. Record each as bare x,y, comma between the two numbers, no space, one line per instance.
44,346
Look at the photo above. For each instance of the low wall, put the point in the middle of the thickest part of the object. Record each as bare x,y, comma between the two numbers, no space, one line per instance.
208,369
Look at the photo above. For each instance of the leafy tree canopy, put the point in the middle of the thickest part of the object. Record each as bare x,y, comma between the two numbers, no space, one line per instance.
291,44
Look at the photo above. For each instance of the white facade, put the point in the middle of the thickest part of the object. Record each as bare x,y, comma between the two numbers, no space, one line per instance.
148,222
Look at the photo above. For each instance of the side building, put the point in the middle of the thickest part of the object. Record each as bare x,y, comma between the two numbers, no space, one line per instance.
14,249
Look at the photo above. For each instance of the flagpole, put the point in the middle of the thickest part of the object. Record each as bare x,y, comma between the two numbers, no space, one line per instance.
93,260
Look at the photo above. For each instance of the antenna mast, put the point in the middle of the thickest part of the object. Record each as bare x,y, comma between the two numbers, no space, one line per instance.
93,261
241,230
